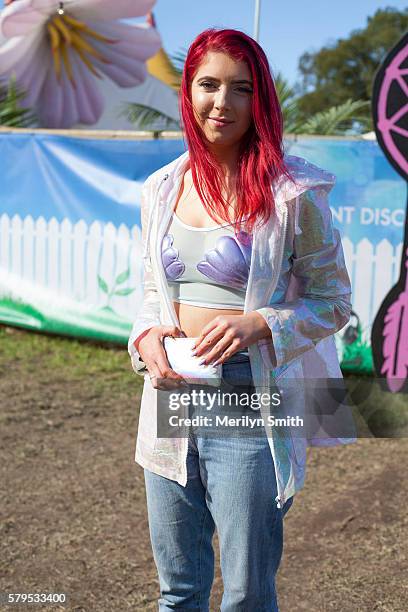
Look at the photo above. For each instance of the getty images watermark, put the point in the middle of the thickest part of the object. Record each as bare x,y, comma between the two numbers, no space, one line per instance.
226,410
210,400
310,408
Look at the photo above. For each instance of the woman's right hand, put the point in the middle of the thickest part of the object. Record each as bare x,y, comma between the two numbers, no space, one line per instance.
151,349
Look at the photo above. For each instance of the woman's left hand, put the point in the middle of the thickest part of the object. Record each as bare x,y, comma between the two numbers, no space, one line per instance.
227,334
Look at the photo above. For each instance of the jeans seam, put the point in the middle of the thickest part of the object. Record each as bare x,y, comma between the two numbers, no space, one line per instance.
270,560
199,559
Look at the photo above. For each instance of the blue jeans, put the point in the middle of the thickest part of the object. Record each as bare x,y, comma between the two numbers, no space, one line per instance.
231,486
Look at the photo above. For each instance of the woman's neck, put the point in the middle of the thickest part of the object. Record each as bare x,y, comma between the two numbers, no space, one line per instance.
228,160
228,190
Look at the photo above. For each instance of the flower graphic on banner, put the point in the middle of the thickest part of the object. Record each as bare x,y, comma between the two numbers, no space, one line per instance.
58,50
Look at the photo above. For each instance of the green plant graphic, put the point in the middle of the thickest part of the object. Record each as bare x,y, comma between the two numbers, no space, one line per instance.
120,279
357,354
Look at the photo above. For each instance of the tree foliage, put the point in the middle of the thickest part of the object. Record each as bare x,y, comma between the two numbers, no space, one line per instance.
334,120
345,70
12,114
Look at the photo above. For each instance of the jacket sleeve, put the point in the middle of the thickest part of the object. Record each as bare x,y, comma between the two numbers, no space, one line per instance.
322,294
148,314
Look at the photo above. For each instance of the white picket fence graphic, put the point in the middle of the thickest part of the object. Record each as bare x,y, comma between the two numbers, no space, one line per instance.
67,259
373,271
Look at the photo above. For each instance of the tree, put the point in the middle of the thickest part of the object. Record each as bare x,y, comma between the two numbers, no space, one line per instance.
345,70
334,120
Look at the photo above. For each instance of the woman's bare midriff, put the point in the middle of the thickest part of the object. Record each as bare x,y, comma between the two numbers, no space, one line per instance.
194,318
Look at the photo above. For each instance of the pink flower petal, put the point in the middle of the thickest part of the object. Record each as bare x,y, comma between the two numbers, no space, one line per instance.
25,61
27,54
135,69
22,17
89,100
122,76
50,103
69,114
15,50
138,41
33,77
108,10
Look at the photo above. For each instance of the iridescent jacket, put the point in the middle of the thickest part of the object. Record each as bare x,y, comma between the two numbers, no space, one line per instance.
297,281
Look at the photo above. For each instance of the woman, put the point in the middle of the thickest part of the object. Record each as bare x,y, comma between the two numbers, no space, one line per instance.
239,253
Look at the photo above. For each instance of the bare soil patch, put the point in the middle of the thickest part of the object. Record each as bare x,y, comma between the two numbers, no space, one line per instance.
73,511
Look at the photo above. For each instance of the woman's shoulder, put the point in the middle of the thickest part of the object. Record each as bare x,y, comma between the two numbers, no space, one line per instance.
302,167
305,175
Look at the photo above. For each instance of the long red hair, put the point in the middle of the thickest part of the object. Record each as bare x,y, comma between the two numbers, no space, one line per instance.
261,155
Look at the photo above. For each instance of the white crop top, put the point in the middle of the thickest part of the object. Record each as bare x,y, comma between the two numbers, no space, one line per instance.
207,266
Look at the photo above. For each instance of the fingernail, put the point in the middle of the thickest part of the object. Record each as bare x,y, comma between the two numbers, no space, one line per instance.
202,362
193,352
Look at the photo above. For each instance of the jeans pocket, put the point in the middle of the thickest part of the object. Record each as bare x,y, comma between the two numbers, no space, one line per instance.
237,371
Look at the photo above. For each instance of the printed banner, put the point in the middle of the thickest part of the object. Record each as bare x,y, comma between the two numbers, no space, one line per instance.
70,236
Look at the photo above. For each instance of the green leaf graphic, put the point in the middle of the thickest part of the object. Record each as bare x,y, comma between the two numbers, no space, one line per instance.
123,291
102,284
123,276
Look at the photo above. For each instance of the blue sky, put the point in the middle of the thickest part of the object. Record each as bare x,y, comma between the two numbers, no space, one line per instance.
288,28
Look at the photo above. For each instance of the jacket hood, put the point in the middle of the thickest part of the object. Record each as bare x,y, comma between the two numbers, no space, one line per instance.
305,175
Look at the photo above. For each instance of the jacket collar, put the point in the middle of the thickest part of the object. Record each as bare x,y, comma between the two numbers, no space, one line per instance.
305,174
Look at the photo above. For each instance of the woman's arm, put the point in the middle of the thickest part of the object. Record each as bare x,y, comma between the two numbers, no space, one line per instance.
147,331
322,284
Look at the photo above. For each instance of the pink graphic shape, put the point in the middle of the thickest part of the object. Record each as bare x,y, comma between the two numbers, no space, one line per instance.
387,125
395,346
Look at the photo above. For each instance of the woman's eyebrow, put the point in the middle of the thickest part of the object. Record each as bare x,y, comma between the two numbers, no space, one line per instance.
234,82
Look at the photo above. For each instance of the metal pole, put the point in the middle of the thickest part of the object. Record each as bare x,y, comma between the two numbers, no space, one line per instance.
256,19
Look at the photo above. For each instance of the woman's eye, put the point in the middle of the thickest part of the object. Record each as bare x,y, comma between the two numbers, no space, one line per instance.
208,85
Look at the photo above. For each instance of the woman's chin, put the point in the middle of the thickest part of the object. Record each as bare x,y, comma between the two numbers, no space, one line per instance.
218,139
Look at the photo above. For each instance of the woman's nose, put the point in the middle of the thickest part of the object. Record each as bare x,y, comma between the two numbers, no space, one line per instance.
222,99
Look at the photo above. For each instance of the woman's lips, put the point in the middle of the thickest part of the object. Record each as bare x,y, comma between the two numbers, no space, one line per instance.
218,123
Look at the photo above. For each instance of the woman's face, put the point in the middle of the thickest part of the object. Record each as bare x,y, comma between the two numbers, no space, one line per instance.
222,88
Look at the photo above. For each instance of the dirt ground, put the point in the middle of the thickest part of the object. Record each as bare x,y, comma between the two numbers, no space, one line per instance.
73,514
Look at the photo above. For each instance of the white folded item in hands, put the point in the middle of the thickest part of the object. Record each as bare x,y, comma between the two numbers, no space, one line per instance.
181,360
